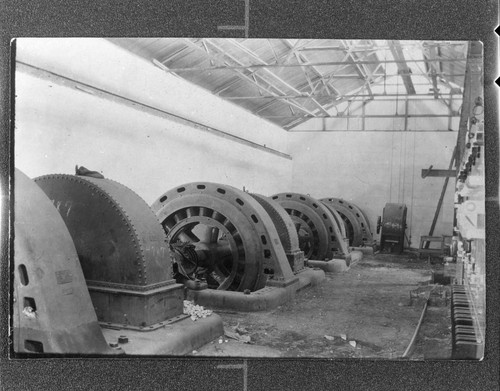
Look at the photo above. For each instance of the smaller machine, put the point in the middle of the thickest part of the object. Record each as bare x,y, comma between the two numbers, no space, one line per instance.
392,226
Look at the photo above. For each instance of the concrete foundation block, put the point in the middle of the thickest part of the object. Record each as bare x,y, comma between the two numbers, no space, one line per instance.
310,277
365,250
356,256
263,299
331,266
178,338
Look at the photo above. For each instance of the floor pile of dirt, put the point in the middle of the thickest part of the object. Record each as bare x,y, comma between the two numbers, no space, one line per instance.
364,312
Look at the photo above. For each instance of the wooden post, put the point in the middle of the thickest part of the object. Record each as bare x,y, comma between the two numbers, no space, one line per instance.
441,198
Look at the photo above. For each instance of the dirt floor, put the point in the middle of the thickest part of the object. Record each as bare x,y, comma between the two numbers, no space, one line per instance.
364,312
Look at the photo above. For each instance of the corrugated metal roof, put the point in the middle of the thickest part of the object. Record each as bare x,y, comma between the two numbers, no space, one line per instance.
290,81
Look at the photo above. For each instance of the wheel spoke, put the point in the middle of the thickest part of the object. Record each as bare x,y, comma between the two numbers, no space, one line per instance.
177,217
187,236
225,284
222,251
168,224
217,277
190,212
204,233
217,216
214,235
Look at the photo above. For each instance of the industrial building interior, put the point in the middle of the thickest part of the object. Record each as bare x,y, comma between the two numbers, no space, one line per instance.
249,198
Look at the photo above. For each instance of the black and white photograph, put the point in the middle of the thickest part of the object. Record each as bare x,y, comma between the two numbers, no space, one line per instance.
203,197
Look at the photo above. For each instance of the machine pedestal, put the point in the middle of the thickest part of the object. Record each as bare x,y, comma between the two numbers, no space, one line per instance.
263,299
178,338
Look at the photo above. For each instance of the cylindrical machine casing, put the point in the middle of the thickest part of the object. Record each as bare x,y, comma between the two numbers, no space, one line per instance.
393,226
122,249
52,309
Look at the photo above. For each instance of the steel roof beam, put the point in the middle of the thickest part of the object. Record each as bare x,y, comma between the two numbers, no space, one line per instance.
240,75
321,79
434,82
240,72
360,68
341,48
322,63
377,75
269,85
416,97
272,74
376,131
225,86
272,49
171,56
430,54
367,116
431,51
397,53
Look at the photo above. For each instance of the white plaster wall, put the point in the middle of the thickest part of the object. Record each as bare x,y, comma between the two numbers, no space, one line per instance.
374,168
57,127
102,64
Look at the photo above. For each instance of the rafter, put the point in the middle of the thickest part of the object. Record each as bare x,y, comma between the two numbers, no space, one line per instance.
225,86
367,116
431,52
370,130
241,72
360,68
316,64
321,78
284,59
272,74
399,57
272,49
267,88
435,88
171,56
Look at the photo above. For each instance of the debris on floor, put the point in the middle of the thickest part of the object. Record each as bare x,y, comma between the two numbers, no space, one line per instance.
195,311
345,317
237,333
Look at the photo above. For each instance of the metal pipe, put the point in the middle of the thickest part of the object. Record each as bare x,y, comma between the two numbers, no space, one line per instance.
369,130
322,63
365,116
417,329
71,83
345,97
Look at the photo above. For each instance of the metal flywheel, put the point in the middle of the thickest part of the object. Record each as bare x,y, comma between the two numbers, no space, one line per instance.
286,230
319,233
236,244
357,226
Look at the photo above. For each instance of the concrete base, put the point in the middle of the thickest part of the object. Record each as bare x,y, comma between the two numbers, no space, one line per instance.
176,339
365,250
264,299
310,277
356,256
337,265
331,266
